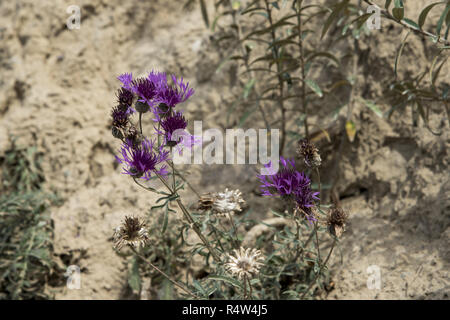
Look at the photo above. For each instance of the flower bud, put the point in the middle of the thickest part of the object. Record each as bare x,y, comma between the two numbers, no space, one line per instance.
141,107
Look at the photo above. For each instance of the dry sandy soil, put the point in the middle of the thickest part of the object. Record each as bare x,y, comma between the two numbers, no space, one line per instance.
57,88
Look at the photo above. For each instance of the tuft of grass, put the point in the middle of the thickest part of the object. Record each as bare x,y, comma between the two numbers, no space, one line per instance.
26,229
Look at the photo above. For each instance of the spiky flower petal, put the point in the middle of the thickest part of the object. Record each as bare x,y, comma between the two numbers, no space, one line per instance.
244,263
171,95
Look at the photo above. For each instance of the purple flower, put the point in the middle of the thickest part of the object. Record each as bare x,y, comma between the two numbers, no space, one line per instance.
289,183
173,128
126,79
171,95
145,89
159,79
142,160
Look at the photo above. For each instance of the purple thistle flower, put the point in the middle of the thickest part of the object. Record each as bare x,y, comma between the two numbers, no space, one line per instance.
175,123
145,89
289,183
171,95
142,160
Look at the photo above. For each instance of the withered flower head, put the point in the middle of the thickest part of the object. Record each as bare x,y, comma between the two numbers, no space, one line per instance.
222,203
132,134
244,263
310,154
336,221
132,232
206,201
120,117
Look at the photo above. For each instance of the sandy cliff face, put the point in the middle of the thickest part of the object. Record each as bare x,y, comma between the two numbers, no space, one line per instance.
56,91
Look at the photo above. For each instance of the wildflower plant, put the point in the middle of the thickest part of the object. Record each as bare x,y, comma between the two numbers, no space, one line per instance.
279,56
235,267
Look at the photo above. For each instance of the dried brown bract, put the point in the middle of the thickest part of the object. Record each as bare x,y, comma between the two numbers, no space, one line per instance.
309,152
132,232
336,221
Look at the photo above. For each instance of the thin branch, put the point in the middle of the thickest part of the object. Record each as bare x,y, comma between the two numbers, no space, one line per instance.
405,25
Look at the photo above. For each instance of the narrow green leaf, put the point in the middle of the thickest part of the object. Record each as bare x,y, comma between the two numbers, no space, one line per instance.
372,106
322,54
399,53
387,4
338,8
204,12
226,279
424,13
134,278
248,87
411,23
399,11
442,19
314,87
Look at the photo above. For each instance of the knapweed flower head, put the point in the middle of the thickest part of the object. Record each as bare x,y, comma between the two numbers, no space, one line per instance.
310,154
245,263
141,160
336,221
145,89
289,184
120,117
132,232
125,98
175,93
172,128
222,203
228,202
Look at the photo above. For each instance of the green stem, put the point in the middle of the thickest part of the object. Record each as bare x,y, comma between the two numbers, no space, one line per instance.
280,80
320,270
140,121
191,221
164,274
302,66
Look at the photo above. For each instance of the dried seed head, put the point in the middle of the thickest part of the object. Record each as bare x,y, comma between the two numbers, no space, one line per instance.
222,203
244,263
336,221
228,202
310,154
132,232
205,202
132,134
